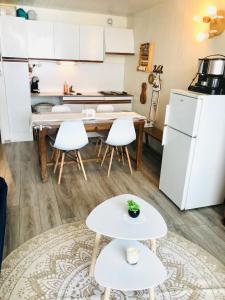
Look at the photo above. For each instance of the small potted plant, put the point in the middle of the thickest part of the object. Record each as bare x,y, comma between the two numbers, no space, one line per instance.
133,209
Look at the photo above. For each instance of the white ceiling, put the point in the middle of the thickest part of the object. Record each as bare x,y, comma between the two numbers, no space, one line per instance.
114,7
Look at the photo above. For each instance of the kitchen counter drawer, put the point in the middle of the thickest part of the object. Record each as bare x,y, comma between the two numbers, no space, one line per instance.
118,98
112,99
82,98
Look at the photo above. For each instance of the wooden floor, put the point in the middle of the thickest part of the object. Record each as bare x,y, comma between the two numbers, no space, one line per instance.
34,207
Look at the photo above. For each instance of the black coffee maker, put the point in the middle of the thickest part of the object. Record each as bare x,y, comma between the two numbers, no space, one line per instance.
210,78
34,85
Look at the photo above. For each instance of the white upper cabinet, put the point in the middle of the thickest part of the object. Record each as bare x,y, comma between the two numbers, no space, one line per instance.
13,37
119,40
66,41
91,43
40,39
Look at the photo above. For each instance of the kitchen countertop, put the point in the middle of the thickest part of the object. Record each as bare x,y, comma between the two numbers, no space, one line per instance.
85,98
46,118
84,94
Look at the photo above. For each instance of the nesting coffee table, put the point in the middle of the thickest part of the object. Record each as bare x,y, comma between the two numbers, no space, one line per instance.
113,272
110,218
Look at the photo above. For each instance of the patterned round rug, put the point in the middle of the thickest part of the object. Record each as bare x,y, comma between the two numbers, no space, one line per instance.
54,265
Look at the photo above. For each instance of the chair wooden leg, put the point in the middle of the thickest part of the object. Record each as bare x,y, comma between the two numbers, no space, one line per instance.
107,294
128,159
78,162
54,151
100,148
61,167
82,166
57,160
121,148
118,153
96,146
110,162
106,150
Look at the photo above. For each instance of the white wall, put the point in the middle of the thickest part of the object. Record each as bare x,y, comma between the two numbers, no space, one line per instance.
169,25
76,17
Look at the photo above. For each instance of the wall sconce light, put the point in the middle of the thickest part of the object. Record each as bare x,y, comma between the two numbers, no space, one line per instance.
216,21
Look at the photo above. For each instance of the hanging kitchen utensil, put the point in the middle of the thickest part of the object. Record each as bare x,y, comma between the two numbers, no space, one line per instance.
153,75
156,85
154,102
159,69
143,96
151,78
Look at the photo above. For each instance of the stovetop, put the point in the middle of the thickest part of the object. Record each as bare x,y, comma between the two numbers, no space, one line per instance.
113,93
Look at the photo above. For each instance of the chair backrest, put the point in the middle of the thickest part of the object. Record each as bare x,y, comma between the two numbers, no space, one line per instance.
105,108
71,136
121,133
61,108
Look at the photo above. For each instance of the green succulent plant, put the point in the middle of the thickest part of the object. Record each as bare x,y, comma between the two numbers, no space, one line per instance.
133,206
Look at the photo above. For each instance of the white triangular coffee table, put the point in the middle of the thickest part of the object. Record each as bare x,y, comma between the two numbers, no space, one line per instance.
110,218
112,271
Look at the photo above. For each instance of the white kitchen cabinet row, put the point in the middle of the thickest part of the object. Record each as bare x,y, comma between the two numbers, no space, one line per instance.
40,39
47,40
64,41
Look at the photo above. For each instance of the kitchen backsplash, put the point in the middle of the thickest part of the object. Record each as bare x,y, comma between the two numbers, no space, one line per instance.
82,76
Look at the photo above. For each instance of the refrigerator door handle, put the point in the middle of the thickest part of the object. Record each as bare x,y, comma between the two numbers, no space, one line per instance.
167,114
164,136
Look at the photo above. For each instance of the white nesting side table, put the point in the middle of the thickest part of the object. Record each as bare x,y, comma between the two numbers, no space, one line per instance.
113,272
110,218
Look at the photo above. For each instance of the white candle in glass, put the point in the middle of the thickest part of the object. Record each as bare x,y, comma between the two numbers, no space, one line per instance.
132,255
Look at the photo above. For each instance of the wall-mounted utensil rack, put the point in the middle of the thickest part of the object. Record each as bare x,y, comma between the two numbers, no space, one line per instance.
145,57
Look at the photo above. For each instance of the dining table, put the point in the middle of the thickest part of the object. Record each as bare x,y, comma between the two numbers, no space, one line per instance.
47,123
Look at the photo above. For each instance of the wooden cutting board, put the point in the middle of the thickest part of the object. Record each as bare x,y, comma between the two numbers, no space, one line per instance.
143,96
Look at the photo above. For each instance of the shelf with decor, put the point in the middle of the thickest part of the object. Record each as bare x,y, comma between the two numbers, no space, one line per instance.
145,57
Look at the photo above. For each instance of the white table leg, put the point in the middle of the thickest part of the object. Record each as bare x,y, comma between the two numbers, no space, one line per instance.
94,253
107,294
153,245
151,294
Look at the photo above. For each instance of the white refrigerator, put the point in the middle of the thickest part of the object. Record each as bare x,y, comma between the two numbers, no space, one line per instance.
193,163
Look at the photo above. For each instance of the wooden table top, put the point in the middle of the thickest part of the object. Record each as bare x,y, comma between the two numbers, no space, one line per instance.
56,118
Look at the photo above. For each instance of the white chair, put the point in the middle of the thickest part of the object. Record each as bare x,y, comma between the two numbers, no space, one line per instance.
102,108
121,134
61,108
105,108
71,136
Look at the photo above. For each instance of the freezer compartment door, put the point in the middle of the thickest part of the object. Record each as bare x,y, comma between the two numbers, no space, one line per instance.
176,165
183,114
